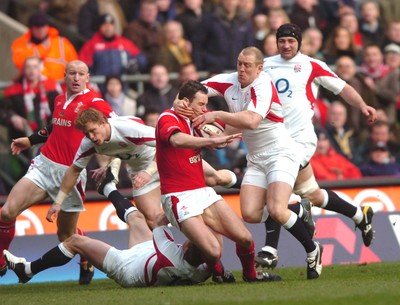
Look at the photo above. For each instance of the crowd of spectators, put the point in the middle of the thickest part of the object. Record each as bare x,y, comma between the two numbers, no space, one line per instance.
360,39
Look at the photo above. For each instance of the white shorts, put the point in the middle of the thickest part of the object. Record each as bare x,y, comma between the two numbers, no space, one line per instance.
277,165
126,267
183,205
306,140
153,183
48,175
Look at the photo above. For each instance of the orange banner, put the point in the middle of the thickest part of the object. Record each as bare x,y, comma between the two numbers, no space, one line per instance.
101,216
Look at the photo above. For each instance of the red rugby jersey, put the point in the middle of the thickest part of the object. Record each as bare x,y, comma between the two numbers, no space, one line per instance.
64,139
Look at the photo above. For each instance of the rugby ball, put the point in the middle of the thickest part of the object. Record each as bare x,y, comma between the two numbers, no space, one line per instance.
205,131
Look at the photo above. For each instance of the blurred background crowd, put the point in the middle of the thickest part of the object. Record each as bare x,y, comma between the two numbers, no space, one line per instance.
140,52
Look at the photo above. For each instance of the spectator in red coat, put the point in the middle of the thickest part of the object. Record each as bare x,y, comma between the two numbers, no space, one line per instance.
330,165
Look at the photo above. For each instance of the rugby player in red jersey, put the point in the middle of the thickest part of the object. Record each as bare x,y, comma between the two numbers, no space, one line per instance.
44,176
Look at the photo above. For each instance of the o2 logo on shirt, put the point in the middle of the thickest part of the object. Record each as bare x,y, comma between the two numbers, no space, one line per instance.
282,86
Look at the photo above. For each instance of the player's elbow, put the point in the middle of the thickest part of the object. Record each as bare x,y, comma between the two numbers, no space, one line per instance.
252,121
175,142
252,125
178,140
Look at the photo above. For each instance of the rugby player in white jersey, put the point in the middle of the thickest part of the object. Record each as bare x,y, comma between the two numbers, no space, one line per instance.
43,178
272,165
123,138
152,258
297,78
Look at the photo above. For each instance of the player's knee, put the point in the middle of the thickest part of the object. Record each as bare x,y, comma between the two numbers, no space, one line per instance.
251,217
7,214
245,239
277,213
72,241
252,214
215,252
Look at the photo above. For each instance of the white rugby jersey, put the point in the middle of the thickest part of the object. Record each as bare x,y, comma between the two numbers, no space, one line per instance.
169,267
297,81
260,97
130,140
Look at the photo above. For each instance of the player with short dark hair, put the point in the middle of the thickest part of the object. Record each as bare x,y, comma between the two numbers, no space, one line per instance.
189,204
123,138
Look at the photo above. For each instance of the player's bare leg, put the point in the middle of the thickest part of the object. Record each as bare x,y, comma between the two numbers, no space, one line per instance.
66,227
277,198
149,205
23,195
223,220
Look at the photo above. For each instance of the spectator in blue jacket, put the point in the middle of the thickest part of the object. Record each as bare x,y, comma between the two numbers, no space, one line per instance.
221,36
380,162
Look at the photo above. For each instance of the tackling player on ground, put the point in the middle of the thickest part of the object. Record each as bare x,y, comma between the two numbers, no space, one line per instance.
152,258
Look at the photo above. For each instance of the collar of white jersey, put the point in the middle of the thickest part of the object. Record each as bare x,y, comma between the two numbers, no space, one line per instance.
294,57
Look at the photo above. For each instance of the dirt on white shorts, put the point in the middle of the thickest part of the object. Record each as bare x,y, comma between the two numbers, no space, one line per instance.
183,205
48,175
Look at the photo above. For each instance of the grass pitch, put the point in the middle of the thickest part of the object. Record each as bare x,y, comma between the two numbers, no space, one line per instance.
371,284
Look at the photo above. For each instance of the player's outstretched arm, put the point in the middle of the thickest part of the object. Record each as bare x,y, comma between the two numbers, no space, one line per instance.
353,98
183,140
241,120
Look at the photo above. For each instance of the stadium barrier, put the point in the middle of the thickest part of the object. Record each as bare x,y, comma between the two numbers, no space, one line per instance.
342,243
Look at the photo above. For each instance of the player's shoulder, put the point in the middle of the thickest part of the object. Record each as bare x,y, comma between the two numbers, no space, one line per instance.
272,59
308,59
168,114
127,122
222,77
263,78
93,96
60,99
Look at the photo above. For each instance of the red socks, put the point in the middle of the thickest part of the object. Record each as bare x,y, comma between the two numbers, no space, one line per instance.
215,267
7,232
246,256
